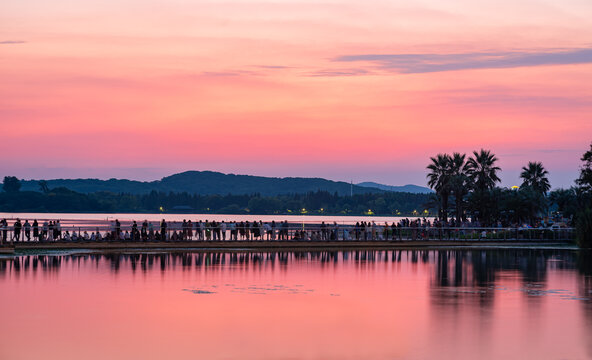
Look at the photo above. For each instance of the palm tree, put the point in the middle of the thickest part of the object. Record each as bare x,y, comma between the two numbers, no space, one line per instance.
460,183
439,180
482,170
534,176
483,174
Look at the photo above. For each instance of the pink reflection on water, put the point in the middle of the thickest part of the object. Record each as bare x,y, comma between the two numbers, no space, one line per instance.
363,304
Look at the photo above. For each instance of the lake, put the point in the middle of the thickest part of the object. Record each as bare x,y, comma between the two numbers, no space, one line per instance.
403,304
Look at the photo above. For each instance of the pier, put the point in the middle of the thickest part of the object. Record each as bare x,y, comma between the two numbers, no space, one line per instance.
75,234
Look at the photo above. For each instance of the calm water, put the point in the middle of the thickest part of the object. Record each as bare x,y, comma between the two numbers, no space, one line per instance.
505,304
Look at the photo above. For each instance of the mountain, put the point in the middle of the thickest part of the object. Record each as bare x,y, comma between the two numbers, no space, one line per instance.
206,183
405,188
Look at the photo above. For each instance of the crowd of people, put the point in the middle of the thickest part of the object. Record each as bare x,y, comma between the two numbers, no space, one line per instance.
27,231
199,231
187,230
202,231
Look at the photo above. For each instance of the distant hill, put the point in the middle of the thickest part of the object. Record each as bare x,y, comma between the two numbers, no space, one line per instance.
405,188
206,183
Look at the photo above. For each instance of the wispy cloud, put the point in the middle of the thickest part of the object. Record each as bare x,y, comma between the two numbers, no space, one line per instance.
232,73
425,63
272,67
340,72
221,73
481,97
556,151
531,152
11,42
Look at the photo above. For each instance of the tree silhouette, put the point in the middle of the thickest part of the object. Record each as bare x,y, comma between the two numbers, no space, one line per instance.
439,180
534,176
483,174
43,186
11,184
482,170
460,183
585,179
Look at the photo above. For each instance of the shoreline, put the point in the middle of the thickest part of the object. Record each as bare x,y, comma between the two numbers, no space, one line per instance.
284,245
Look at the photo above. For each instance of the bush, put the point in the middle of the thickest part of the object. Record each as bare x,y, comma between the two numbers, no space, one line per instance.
584,228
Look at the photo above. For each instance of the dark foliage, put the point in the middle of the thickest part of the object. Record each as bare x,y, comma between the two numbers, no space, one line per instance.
11,184
506,205
585,179
319,202
584,228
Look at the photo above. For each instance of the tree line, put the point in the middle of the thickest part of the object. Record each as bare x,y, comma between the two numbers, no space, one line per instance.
468,188
61,199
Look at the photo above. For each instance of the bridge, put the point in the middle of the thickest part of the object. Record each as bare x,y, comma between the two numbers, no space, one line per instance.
79,234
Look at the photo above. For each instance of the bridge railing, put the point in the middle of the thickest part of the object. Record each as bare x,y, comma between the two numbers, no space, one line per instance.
293,232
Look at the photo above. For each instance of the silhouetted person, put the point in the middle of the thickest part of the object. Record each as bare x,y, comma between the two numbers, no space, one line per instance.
27,227
272,229
233,231
363,230
45,231
222,228
117,228
163,229
199,228
35,230
145,230
189,230
58,229
50,231
17,229
151,236
241,230
208,230
134,235
286,230
256,231
4,226
218,233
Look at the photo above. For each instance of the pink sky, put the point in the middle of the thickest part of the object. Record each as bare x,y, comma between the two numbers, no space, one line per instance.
347,90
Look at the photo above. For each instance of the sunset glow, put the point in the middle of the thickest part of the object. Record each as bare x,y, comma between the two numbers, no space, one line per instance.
347,90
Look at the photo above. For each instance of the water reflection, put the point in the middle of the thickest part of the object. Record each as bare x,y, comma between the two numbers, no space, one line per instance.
457,276
475,269
461,274
451,268
584,265
485,266
414,304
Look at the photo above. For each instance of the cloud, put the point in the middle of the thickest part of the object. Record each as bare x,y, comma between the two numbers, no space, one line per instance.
555,151
341,72
531,152
220,73
426,63
11,42
480,97
278,67
231,73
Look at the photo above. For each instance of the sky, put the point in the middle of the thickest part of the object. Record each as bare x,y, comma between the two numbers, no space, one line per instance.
345,90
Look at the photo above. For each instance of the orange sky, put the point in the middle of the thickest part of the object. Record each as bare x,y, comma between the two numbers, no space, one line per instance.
347,90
